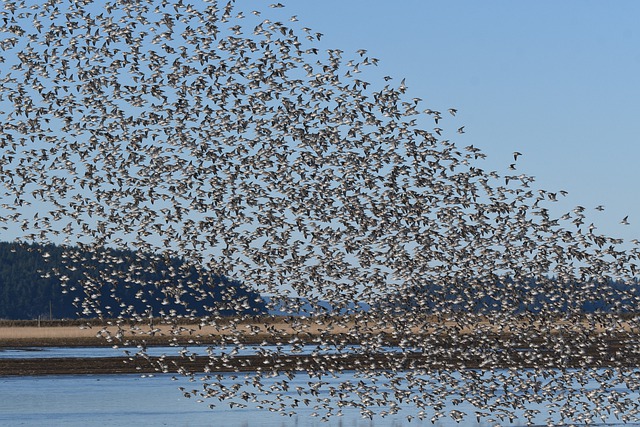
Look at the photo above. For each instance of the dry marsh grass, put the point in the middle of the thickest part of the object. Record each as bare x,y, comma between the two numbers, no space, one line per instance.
272,329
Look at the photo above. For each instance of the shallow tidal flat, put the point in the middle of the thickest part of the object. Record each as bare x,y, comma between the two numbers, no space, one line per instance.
439,346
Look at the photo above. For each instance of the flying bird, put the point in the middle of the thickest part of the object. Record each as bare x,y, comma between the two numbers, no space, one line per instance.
196,142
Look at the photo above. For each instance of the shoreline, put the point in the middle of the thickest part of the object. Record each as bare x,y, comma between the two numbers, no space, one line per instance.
441,346
327,363
435,355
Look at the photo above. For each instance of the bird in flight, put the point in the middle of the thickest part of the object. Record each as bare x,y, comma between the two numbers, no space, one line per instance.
240,143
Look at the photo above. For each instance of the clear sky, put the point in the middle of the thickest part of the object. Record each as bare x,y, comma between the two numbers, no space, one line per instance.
558,81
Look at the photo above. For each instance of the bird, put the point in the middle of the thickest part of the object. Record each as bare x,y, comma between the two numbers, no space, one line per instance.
197,141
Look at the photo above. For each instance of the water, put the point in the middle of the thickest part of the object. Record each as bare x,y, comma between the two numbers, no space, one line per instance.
51,352
116,400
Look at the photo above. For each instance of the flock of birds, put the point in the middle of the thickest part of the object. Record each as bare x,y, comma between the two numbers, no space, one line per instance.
229,138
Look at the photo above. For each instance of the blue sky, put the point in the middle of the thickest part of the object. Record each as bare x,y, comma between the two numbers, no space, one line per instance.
557,81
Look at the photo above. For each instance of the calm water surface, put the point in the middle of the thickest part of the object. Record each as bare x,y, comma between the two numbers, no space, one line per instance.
47,352
118,400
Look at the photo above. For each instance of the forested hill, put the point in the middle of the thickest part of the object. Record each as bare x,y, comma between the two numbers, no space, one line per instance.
508,296
26,294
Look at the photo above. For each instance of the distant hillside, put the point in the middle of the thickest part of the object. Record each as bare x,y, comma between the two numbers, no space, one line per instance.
160,286
303,307
511,297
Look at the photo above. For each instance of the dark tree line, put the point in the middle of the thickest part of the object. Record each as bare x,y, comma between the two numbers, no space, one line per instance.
30,289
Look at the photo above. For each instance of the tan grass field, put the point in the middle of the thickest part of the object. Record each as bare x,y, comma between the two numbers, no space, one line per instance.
15,336
27,334
31,332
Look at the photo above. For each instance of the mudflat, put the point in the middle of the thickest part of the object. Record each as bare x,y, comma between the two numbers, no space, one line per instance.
441,346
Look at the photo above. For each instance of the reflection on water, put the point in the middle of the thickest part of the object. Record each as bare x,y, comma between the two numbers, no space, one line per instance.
116,400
